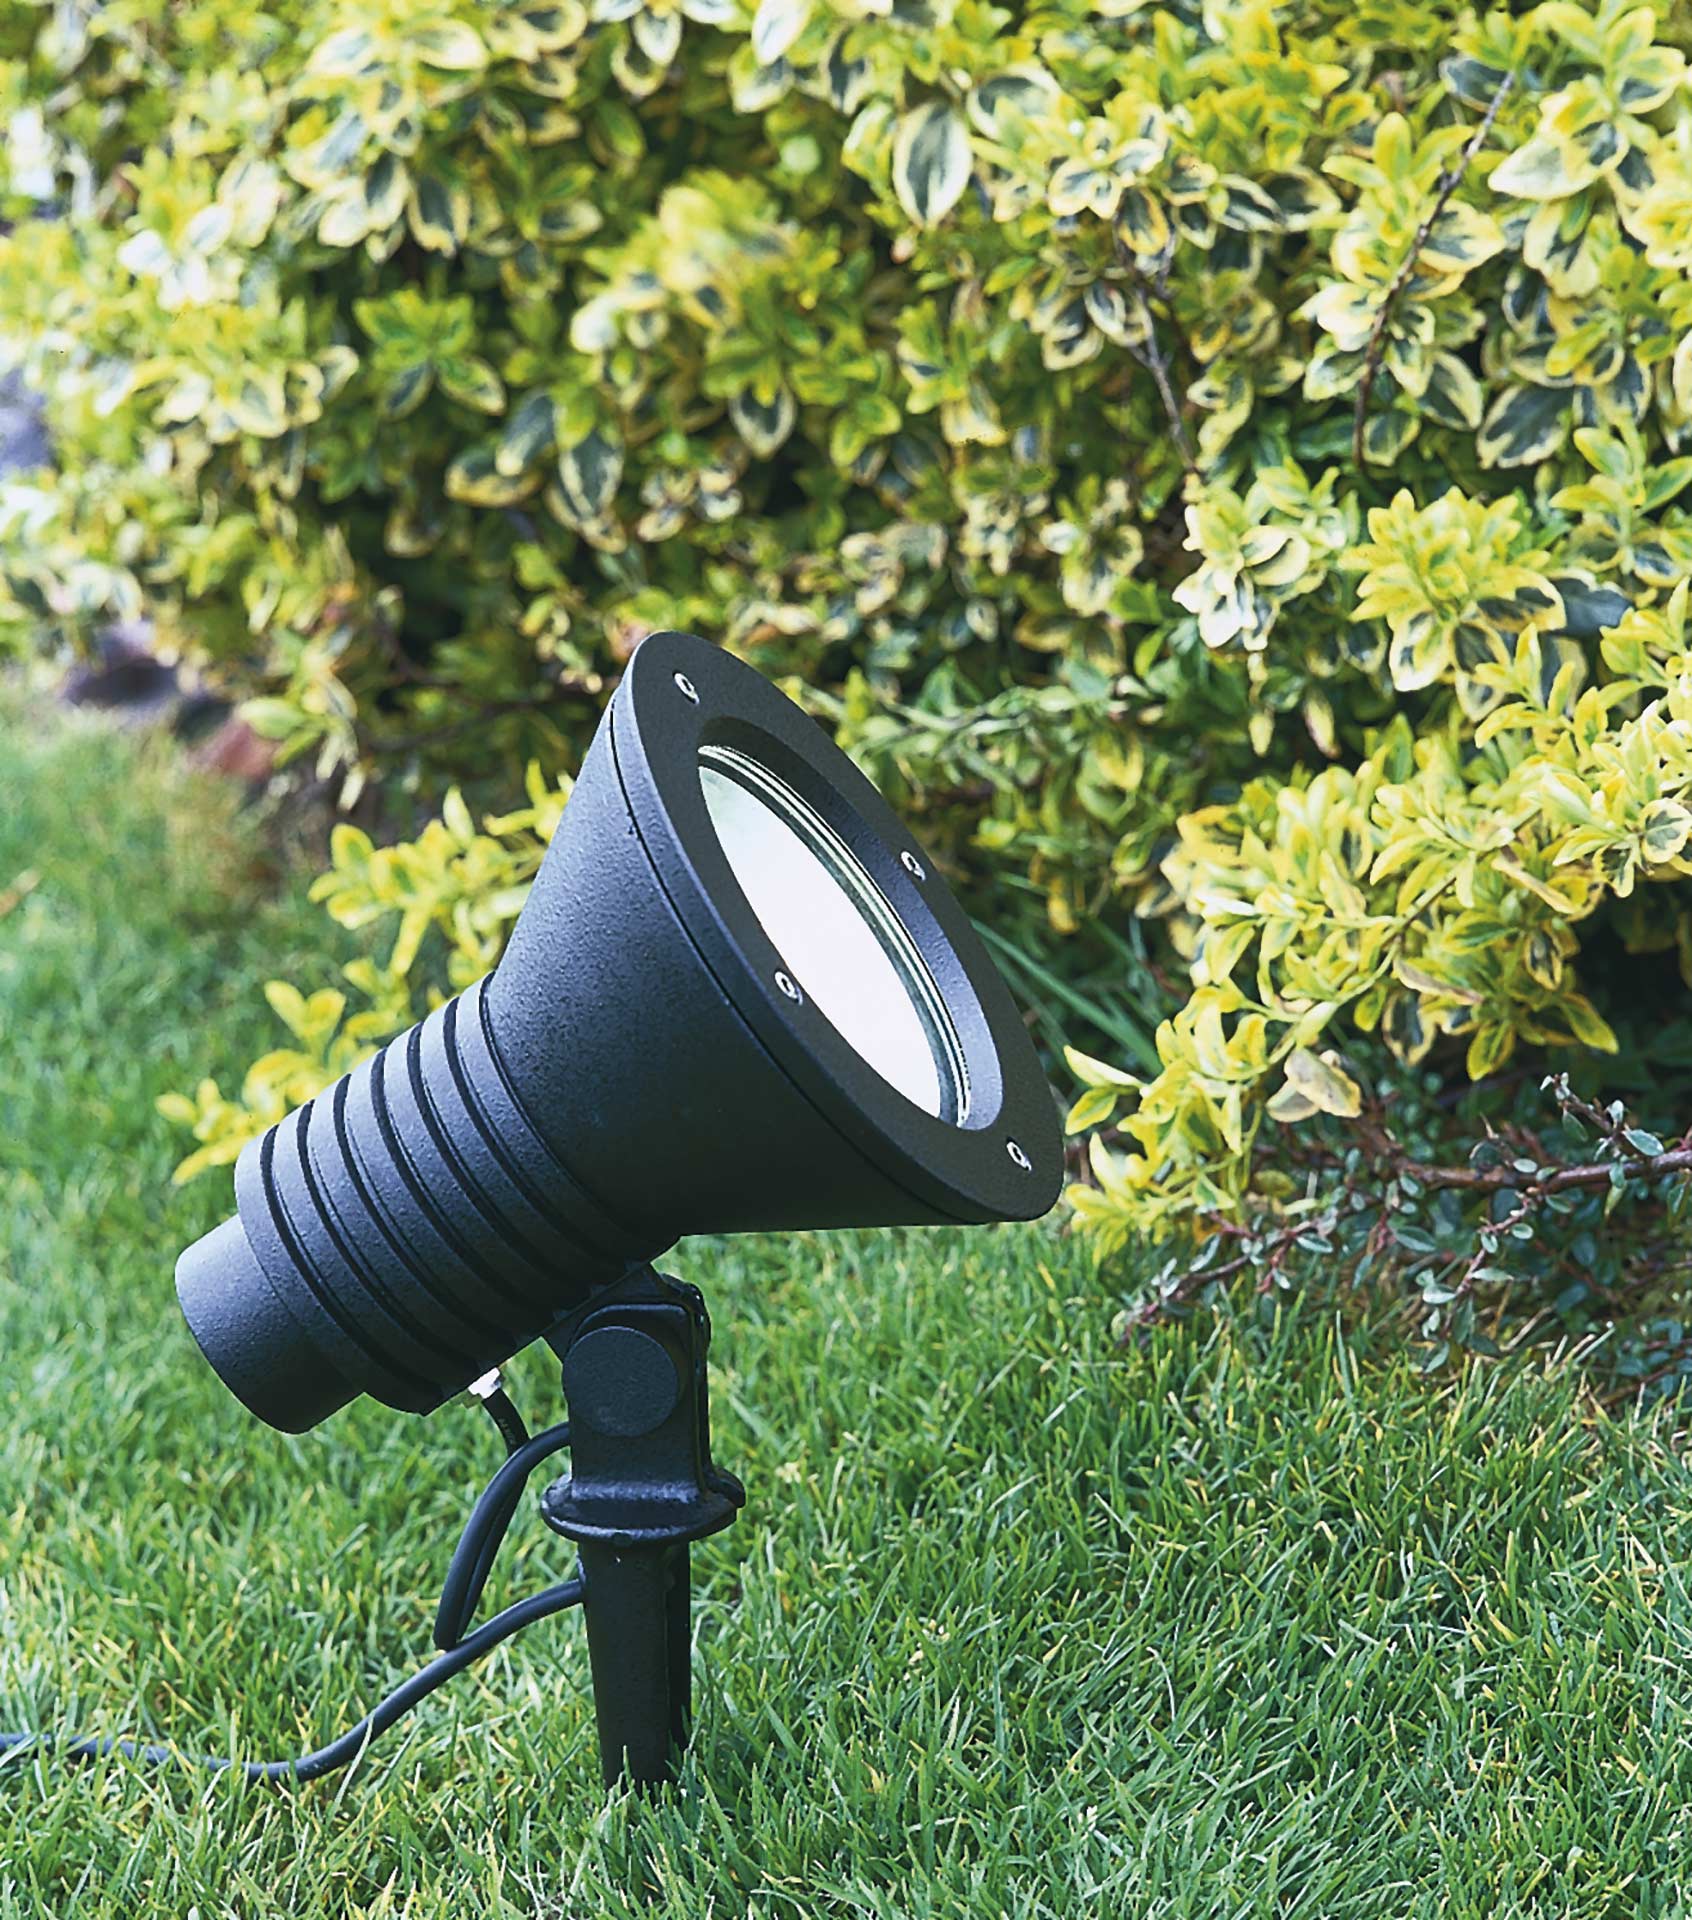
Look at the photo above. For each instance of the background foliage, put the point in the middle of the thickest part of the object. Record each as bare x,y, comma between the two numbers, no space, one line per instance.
1218,465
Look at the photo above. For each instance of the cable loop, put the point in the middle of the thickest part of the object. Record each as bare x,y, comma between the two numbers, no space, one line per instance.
467,1574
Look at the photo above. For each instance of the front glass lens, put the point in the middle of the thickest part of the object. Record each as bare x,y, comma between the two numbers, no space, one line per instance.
836,931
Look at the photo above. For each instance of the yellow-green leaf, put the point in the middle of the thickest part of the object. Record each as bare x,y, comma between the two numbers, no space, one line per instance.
451,45
1094,1107
1491,1046
1664,827
473,478
473,382
1318,1080
1545,169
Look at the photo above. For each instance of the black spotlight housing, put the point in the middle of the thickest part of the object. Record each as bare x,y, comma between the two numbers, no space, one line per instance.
651,1058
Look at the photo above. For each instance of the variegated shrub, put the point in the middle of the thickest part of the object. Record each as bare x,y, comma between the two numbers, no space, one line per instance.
1216,463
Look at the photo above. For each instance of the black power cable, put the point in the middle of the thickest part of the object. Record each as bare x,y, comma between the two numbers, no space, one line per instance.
484,1533
497,1405
467,1574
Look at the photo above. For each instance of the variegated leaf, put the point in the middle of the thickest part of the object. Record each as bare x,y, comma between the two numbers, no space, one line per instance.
763,426
931,161
588,474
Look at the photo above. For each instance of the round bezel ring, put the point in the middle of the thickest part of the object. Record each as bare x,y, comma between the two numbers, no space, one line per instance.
961,1172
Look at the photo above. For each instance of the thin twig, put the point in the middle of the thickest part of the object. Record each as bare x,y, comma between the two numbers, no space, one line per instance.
1269,1252
1266,1253
1593,1173
1445,187
1152,357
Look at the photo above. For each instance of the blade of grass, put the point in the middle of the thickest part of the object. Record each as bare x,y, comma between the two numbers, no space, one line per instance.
1133,1040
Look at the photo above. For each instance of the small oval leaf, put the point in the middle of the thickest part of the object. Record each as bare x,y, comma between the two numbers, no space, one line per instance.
931,162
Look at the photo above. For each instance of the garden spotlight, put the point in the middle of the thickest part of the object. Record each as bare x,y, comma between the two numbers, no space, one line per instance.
739,997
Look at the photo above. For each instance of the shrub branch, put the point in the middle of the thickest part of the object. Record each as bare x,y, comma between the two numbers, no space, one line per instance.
1369,1184
1447,186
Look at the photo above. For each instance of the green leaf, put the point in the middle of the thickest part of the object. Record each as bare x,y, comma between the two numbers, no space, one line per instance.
527,437
386,188
1141,222
847,75
472,382
1542,960
1453,395
1386,434
1100,1073
386,322
1663,830
1491,1046
763,427
1025,92
1461,238
257,405
406,391
348,51
328,161
868,419
588,474
1671,478
473,478
144,254
346,218
1588,606
252,190
1524,425
456,817
1473,81
288,1004
1275,556
271,719
931,161
439,215
1394,150
1586,1023
1247,207
658,36
1300,196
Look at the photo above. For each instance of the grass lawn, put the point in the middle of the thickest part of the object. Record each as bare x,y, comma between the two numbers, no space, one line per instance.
1015,1624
